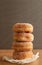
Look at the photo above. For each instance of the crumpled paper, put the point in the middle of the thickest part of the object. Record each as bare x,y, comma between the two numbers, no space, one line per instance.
29,60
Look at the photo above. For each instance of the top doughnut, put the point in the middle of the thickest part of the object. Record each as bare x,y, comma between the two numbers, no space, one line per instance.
23,27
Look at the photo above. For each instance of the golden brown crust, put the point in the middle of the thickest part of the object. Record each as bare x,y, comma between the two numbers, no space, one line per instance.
23,37
23,49
22,46
22,55
23,27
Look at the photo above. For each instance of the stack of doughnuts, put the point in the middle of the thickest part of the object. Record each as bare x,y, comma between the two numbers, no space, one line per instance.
22,41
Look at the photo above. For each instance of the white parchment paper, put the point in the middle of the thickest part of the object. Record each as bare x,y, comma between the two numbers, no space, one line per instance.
35,57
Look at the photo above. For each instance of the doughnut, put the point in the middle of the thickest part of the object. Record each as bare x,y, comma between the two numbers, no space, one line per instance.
23,49
22,55
23,27
23,37
22,46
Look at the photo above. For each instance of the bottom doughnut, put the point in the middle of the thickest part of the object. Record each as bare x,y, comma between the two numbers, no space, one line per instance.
22,55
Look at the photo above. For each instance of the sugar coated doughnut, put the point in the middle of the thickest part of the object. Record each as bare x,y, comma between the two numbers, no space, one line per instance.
22,46
22,55
23,37
23,27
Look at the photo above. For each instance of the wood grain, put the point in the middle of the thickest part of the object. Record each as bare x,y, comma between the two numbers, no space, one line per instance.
10,52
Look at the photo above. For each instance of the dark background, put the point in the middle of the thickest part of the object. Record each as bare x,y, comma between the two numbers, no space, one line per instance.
12,11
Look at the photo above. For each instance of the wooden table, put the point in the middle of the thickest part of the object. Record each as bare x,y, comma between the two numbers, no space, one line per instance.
9,53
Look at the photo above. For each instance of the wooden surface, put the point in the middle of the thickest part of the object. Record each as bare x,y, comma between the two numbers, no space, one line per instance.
10,52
